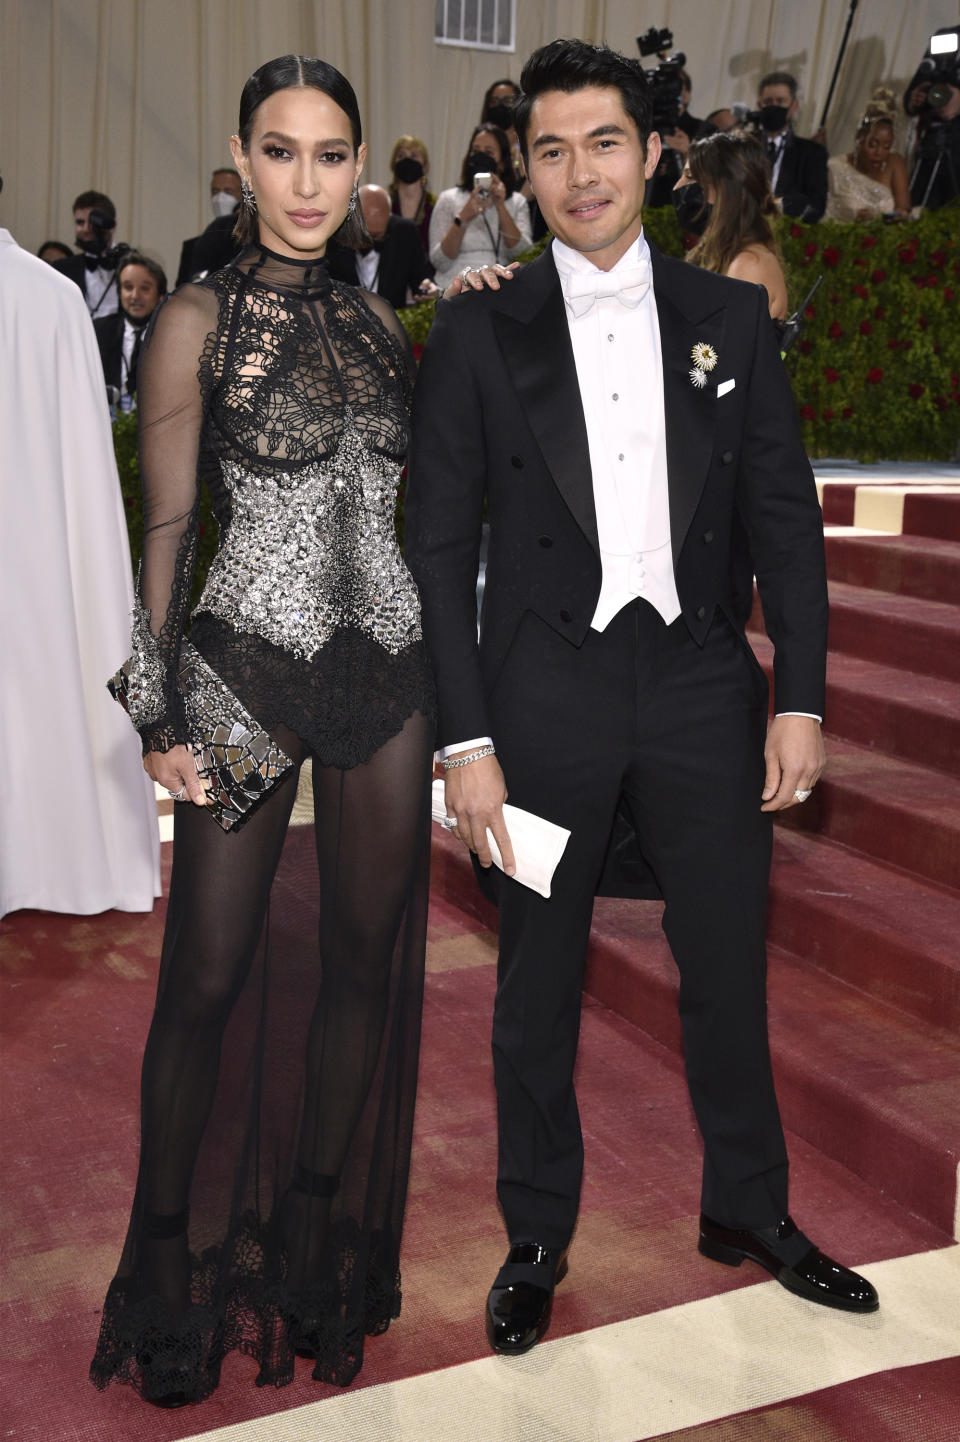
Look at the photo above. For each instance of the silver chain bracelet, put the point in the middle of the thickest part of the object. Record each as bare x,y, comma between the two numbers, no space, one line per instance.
452,761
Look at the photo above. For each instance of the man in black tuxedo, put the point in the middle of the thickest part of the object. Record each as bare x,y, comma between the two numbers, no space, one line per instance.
395,265
630,424
142,285
798,168
216,247
95,226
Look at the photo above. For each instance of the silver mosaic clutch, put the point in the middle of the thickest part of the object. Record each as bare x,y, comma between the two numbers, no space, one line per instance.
238,759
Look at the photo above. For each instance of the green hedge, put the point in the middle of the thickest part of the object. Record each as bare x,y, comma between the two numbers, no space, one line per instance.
876,372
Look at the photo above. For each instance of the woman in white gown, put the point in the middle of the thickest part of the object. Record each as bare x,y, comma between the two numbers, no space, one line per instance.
871,180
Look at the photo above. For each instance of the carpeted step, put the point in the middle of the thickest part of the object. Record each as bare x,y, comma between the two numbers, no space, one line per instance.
909,565
894,711
932,513
838,494
876,928
895,630
863,1081
896,812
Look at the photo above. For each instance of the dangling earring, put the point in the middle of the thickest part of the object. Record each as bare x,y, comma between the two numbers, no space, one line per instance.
353,200
248,198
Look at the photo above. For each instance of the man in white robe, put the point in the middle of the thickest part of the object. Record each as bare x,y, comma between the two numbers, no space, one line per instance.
78,816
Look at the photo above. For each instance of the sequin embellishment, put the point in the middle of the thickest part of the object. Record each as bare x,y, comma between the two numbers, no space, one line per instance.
310,550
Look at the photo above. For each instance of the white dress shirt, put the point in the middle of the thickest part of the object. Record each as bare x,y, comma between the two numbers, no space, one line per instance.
101,293
616,349
368,269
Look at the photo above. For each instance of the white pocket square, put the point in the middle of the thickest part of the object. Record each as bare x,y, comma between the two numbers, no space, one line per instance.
725,386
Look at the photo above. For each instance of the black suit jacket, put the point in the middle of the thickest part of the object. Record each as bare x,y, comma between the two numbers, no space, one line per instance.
403,262
212,250
109,329
497,414
802,182
75,269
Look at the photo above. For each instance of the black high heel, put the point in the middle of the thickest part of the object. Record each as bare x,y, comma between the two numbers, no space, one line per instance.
168,1370
315,1187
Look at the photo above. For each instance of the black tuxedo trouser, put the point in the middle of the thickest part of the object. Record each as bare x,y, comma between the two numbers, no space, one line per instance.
638,710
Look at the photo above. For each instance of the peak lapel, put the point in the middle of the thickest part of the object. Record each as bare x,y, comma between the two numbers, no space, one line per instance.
689,412
535,343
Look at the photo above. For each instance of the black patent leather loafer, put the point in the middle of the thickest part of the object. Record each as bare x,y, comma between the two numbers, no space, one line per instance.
521,1298
795,1262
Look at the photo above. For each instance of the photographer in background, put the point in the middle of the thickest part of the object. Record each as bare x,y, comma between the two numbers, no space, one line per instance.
484,219
94,270
142,285
933,97
798,167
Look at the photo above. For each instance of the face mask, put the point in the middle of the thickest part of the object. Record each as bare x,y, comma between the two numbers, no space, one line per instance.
223,202
692,210
773,117
477,162
501,114
408,170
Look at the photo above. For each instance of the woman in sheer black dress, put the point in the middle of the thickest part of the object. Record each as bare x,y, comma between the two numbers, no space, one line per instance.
278,1082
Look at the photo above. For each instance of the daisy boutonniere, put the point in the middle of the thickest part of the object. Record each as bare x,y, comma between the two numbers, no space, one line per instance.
704,359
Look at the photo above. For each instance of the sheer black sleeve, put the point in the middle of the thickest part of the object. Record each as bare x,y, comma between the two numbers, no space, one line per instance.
392,324
170,406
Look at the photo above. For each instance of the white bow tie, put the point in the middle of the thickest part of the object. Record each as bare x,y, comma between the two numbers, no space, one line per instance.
628,286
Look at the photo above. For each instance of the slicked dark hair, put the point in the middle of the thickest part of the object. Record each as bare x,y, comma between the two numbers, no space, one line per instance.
571,65
299,72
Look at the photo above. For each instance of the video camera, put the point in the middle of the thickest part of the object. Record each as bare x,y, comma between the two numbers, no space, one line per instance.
109,256
664,80
937,72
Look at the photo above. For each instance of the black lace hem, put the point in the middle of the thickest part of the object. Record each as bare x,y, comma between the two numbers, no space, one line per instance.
239,1302
344,704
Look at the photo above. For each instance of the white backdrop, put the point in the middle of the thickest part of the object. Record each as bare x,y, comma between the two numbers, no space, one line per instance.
138,97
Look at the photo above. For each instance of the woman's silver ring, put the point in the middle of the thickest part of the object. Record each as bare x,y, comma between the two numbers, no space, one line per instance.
803,795
178,795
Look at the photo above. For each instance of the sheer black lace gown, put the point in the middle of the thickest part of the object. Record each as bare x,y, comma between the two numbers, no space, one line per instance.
278,1079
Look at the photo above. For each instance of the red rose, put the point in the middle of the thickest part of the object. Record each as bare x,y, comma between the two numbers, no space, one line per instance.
831,256
906,345
879,313
827,413
948,293
892,344
807,413
866,328
916,390
833,297
810,249
809,312
933,281
936,350
954,380
861,291
874,376
860,262
835,331
922,322
417,349
847,412
878,276
806,346
831,376
938,259
940,402
867,242
795,231
906,255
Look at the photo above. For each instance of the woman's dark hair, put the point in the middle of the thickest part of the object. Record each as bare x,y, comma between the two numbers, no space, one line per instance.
299,72
133,257
736,167
504,169
488,98
66,250
571,65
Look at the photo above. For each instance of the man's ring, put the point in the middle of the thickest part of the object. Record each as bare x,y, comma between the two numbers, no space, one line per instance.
178,795
803,795
449,823
466,271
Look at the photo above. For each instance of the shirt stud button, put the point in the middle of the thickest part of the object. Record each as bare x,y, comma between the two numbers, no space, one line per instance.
701,612
546,542
517,463
727,457
620,456
610,336
615,396
565,616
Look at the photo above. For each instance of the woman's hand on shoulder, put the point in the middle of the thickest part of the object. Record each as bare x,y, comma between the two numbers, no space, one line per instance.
479,278
176,771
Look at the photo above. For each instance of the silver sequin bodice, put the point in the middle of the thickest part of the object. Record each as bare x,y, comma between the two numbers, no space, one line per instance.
311,550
